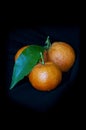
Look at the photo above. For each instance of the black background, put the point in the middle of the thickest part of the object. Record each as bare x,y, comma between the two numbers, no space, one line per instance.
69,104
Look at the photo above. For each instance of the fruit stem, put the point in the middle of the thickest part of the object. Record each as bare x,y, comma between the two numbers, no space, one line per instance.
42,58
48,43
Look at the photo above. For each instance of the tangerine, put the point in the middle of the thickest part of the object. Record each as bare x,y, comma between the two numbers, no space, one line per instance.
45,77
62,54
19,52
24,47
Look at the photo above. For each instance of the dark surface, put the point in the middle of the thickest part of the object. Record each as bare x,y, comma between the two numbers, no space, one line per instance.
23,98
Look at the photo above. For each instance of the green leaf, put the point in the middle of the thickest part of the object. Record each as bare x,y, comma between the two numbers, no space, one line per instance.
25,62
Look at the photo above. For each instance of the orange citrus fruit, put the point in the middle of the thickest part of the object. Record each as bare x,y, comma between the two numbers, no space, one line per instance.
24,47
62,54
19,52
45,77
